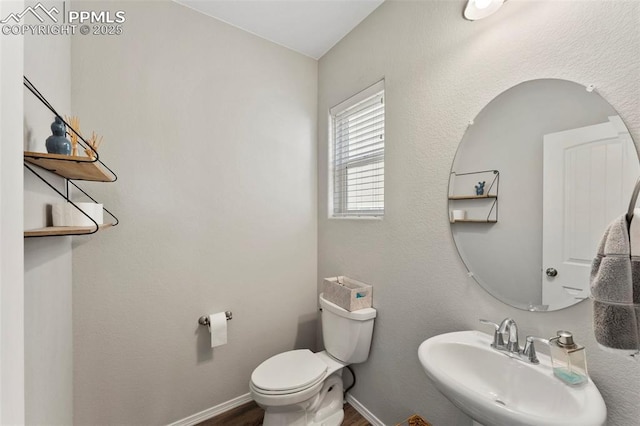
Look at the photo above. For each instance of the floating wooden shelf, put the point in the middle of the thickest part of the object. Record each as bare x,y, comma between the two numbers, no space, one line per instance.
51,231
475,221
80,168
70,168
471,197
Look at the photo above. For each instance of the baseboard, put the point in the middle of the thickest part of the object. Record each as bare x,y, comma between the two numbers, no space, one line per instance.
243,399
214,411
368,415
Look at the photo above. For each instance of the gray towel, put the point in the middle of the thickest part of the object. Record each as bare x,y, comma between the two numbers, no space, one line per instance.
615,289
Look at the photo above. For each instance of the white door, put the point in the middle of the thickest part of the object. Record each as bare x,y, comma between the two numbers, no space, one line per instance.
589,174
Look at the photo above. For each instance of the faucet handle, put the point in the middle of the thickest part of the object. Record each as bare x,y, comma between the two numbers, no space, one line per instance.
498,339
487,322
529,351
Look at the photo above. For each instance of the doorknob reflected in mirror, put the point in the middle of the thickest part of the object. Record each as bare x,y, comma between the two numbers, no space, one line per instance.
551,272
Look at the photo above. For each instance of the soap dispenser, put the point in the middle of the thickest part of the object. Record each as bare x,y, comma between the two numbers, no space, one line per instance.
568,359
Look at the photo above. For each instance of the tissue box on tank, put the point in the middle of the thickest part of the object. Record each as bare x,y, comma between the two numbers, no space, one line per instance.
347,293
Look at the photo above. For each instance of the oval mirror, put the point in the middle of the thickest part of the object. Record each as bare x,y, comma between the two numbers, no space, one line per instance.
538,175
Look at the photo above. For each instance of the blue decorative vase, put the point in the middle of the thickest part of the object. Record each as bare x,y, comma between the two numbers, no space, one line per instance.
480,188
58,143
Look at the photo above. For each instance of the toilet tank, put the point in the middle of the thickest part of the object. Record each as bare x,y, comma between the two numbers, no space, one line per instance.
347,335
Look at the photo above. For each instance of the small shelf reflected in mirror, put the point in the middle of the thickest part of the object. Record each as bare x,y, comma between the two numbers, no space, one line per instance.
471,197
474,208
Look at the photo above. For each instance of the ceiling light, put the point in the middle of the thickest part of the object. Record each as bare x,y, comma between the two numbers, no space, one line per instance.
478,9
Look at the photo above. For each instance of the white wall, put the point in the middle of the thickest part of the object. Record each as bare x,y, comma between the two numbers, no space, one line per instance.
212,132
47,261
12,404
439,71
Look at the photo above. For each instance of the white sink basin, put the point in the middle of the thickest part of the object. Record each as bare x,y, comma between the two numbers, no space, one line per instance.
497,390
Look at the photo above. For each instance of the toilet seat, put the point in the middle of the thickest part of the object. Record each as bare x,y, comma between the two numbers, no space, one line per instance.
289,372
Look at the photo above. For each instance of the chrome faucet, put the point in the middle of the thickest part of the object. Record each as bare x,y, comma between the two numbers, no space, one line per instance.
508,329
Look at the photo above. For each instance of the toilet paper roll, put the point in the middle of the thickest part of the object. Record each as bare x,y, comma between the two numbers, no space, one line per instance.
218,329
458,215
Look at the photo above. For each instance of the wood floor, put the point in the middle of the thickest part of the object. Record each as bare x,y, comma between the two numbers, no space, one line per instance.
250,414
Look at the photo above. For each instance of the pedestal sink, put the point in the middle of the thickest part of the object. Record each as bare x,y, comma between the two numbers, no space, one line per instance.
497,390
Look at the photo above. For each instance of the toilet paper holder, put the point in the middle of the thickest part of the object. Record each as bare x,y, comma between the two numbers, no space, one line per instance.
204,320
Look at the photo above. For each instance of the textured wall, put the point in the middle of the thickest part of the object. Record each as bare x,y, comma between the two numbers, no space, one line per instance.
440,71
12,407
212,132
47,261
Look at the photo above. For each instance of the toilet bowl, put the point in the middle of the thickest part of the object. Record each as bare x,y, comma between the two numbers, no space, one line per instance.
302,388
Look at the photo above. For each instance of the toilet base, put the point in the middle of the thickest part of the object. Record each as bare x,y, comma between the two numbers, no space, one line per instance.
300,419
333,420
323,409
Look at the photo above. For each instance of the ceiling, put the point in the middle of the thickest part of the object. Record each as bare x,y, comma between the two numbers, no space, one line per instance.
310,27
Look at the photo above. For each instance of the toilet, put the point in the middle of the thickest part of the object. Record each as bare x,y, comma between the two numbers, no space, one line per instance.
302,388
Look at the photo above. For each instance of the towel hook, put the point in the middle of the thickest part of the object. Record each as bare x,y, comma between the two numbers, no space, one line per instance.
204,320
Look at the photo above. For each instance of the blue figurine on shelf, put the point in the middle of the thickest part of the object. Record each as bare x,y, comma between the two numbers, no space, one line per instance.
57,143
480,188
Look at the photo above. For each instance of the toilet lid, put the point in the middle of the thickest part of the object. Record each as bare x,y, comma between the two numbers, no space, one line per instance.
289,371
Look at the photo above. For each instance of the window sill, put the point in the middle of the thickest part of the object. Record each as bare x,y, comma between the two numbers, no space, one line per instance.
355,217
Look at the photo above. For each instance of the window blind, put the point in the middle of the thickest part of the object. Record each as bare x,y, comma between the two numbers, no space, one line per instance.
358,154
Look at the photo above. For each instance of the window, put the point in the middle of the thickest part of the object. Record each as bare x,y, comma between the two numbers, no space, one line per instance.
357,154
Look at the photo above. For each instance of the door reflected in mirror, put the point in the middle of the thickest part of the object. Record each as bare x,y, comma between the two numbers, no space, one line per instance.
558,165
